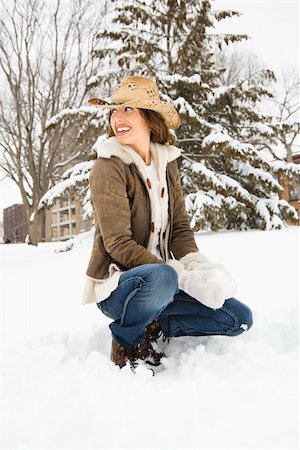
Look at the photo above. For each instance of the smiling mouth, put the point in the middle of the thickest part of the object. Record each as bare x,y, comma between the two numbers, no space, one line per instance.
121,131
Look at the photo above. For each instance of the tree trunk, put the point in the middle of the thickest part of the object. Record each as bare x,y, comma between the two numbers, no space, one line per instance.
36,90
35,228
289,154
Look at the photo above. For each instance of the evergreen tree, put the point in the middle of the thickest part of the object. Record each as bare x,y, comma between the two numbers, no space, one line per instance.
229,183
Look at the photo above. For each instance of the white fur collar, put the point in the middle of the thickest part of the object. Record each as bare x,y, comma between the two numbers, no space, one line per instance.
162,154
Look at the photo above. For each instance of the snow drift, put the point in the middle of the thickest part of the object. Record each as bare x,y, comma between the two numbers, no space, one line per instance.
60,391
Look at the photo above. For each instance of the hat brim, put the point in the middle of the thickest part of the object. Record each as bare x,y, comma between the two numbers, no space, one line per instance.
168,112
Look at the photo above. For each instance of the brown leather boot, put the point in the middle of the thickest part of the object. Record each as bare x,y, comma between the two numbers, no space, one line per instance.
152,357
144,351
118,354
153,331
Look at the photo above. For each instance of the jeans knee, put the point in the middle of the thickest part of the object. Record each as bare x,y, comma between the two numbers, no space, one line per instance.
245,317
242,315
163,286
164,277
170,275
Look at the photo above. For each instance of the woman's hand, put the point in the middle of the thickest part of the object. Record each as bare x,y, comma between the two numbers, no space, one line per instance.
209,283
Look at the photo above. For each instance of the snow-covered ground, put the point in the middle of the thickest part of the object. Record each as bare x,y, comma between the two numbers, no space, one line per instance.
60,391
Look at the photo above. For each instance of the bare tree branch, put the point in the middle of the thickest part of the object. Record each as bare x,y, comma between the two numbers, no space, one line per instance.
45,63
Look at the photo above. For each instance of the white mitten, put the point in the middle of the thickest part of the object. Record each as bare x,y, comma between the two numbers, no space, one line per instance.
191,258
178,267
209,283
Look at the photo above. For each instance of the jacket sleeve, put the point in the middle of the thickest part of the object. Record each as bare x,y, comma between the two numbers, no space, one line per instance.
182,236
111,206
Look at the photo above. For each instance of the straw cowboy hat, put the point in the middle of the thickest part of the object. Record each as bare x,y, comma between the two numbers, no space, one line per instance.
140,92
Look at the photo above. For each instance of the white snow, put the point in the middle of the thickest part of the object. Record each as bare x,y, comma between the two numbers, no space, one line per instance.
184,107
233,185
72,177
262,128
61,392
210,175
196,78
215,138
283,165
245,169
67,113
219,92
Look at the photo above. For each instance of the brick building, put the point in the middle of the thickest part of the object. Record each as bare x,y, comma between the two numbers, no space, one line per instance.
15,223
64,219
292,193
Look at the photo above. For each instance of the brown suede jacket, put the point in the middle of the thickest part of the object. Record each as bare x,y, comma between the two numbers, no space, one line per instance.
120,199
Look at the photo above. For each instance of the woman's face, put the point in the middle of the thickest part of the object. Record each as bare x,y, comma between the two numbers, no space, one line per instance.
129,126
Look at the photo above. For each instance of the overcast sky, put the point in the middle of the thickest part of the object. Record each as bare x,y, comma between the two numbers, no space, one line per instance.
273,26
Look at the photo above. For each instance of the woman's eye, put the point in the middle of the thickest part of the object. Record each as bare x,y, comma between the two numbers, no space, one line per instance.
113,111
128,108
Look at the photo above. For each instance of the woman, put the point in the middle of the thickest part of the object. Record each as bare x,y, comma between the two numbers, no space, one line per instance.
145,270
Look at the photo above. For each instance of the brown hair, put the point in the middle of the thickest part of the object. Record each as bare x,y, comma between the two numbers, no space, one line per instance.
159,132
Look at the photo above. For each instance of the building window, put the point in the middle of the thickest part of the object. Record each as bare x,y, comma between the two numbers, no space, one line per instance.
64,216
63,219
64,203
54,218
66,219
293,194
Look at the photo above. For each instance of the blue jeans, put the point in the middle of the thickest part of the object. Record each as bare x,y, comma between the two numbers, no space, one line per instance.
150,291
